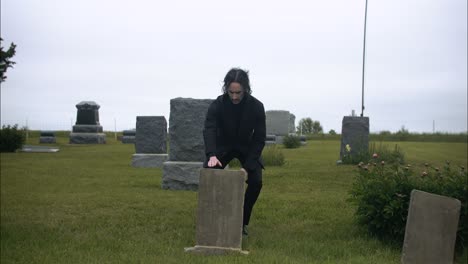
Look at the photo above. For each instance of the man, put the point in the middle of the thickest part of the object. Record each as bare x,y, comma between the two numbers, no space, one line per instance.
235,128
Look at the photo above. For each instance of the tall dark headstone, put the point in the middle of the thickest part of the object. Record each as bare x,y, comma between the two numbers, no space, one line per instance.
186,144
150,142
87,129
355,134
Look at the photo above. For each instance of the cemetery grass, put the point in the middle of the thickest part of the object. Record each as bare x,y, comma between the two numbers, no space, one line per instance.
87,204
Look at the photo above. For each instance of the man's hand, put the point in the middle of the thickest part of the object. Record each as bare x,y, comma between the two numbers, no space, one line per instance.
213,162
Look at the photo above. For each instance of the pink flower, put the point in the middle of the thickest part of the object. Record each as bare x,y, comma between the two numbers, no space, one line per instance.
383,162
375,155
424,174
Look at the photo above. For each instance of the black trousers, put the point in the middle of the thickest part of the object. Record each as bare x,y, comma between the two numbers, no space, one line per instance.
254,181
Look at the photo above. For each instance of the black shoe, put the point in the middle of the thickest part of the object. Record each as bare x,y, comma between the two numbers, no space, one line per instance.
245,231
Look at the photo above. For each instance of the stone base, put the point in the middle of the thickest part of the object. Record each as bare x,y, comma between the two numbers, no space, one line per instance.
128,139
181,175
47,140
87,138
148,160
279,139
87,129
206,250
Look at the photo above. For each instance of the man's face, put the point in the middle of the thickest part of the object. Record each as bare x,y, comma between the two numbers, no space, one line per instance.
236,92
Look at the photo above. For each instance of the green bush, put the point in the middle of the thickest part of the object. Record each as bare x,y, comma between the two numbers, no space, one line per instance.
291,141
382,193
271,155
11,138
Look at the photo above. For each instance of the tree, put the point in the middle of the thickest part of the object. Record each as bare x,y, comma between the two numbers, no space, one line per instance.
305,126
5,61
308,126
332,132
316,127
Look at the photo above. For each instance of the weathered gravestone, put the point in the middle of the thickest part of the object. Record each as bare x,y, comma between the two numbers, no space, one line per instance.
128,136
186,144
270,139
150,142
87,129
277,122
220,212
431,229
303,139
292,123
355,133
47,137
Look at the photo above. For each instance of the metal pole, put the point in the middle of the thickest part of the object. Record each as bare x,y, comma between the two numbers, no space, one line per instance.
364,60
115,129
27,130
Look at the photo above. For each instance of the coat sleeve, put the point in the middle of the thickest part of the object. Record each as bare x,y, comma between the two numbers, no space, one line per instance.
209,131
258,140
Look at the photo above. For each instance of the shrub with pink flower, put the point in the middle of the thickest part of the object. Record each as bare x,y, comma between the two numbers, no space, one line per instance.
382,193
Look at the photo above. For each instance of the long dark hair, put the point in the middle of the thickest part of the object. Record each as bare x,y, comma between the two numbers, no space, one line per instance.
237,75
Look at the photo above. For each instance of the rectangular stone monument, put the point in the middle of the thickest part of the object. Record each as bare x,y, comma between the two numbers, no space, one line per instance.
186,144
355,133
277,122
431,229
128,136
150,142
87,129
47,137
292,123
186,124
220,212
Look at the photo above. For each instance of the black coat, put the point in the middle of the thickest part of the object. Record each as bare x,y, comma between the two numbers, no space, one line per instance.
220,133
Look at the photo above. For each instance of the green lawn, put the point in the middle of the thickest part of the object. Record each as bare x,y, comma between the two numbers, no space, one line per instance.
86,204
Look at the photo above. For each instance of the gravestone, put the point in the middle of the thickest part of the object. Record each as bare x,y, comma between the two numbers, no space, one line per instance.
128,136
277,122
220,212
292,123
87,129
270,140
186,144
431,229
47,137
303,139
355,133
150,142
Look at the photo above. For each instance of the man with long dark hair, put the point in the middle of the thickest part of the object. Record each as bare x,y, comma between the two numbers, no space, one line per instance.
235,128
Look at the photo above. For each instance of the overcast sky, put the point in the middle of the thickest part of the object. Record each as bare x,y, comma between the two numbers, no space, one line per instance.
304,56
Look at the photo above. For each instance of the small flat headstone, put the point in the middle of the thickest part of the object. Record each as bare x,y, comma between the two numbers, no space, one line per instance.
39,149
431,229
220,212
